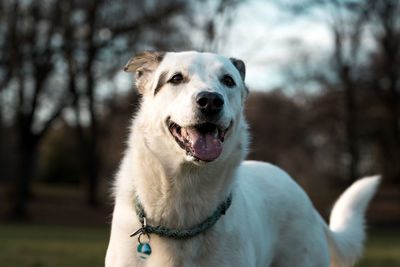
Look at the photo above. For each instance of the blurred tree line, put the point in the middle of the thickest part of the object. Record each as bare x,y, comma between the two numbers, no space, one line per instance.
57,57
64,120
362,72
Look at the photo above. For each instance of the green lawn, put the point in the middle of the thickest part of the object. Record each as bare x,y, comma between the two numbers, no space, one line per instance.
52,246
62,246
382,248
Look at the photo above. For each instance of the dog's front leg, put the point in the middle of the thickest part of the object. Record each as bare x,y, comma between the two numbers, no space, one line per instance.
121,249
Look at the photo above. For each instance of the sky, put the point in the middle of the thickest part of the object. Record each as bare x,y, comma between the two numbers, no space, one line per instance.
260,35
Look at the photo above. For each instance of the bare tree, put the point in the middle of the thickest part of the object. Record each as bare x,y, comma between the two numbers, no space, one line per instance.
27,66
348,29
384,79
348,22
360,70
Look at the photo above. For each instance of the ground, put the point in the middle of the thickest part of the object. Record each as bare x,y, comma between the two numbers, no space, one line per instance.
62,231
65,246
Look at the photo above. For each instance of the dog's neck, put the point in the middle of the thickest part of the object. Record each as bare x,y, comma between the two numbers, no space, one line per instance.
182,196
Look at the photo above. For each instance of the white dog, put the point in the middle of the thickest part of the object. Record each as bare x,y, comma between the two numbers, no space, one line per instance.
188,197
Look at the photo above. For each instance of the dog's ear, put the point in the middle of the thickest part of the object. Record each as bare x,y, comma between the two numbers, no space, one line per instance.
144,64
241,67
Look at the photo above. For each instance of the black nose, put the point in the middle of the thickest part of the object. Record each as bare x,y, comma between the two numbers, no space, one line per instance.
209,103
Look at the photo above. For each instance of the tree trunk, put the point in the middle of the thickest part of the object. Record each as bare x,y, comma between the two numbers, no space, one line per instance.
93,159
351,132
350,124
92,152
27,159
93,175
392,153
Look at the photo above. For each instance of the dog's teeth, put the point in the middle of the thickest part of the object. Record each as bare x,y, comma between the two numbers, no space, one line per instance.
221,133
215,133
184,132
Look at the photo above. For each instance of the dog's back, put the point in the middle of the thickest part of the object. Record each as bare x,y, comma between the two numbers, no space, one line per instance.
297,227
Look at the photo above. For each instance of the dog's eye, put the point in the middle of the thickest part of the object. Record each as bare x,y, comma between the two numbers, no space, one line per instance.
176,79
228,80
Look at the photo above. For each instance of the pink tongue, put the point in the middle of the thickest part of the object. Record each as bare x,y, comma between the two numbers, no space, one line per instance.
205,146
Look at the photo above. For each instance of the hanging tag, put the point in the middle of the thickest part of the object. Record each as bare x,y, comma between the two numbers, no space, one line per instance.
144,249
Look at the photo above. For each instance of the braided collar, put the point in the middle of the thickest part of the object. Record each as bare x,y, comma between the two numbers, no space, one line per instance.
177,233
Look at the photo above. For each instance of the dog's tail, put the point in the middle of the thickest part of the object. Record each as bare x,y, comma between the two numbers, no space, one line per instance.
346,232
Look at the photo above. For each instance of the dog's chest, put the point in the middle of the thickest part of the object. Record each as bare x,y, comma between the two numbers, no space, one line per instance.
210,249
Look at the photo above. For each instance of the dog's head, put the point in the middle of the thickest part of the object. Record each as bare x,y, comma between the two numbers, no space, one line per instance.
192,103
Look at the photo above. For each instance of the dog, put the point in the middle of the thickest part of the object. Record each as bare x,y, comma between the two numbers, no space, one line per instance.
185,196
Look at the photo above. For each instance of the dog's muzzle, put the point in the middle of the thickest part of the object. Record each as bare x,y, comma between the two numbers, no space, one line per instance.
203,141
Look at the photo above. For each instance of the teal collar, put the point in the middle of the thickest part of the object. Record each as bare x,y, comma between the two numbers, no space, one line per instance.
177,233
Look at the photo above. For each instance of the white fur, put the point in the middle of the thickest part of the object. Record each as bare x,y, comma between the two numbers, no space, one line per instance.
347,222
271,221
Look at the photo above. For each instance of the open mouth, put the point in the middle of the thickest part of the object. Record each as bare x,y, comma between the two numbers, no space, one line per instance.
202,141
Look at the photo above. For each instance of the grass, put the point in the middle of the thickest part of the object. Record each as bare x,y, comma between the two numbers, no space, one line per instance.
382,248
65,246
52,246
